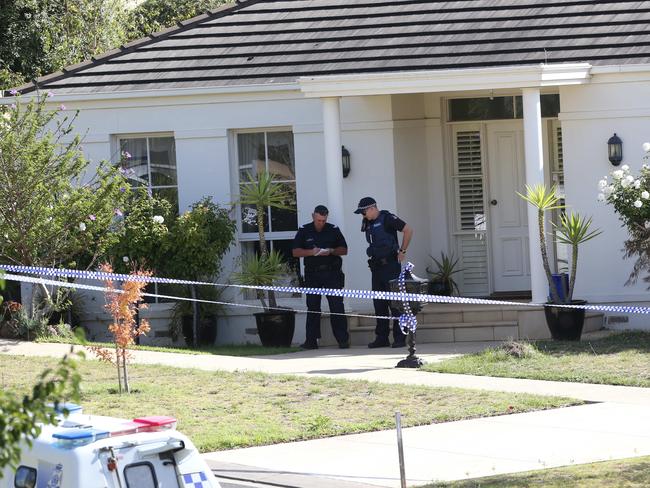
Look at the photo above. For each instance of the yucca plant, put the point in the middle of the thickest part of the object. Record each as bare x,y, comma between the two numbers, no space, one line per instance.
573,230
446,267
261,193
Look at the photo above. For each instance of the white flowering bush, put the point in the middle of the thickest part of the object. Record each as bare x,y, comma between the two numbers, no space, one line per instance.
629,194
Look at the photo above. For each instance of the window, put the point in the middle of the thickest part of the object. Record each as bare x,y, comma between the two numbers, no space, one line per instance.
140,475
152,164
498,108
25,477
271,151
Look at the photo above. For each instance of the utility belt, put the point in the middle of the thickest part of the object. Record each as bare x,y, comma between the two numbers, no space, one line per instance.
374,263
322,267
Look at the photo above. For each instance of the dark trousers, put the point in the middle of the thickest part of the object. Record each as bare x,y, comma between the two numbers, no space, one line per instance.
381,276
326,279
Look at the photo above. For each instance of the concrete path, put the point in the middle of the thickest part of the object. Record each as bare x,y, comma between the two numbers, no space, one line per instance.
618,426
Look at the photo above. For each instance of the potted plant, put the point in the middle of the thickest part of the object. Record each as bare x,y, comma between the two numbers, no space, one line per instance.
573,229
441,277
275,326
196,244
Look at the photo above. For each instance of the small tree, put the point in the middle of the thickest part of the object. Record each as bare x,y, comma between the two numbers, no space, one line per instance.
21,419
55,211
122,303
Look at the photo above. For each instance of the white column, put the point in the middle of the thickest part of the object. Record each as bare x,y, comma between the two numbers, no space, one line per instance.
333,169
534,176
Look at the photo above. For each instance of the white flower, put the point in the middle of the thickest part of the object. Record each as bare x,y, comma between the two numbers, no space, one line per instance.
625,183
630,179
625,168
158,219
647,224
602,184
638,204
608,190
637,184
618,174
645,195
82,226
125,259
601,197
646,146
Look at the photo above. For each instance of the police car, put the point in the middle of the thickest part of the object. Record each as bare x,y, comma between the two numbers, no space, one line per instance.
92,451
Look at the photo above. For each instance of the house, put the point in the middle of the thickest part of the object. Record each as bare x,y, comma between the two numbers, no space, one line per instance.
447,109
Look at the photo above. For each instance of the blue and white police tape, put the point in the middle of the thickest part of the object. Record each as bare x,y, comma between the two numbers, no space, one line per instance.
81,286
346,293
407,321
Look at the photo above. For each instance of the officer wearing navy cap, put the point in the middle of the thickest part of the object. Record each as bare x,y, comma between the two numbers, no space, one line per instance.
322,244
385,253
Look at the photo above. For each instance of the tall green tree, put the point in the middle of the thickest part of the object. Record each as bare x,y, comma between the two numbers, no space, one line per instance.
38,37
155,15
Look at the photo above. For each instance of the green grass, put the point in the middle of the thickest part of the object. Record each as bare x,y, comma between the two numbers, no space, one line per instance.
625,473
619,359
230,350
222,410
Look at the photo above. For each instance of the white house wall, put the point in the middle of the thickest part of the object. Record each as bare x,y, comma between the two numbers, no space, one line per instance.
590,114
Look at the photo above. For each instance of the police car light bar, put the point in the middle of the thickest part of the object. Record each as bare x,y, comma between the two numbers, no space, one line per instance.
155,423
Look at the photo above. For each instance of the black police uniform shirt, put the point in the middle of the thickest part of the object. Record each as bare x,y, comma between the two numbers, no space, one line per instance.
329,237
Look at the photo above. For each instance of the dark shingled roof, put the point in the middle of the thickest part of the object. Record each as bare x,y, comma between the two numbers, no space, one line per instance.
276,41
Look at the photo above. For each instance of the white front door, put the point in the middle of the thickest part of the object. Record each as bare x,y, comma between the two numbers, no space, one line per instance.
507,211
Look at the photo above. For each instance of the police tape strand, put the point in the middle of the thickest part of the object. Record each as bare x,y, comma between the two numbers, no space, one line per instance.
346,293
80,286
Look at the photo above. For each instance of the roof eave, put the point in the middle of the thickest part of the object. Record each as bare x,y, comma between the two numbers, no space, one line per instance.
451,80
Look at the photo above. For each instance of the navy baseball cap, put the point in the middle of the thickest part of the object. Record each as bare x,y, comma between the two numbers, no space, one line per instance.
364,203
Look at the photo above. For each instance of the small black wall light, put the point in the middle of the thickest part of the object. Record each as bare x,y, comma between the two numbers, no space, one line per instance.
615,149
345,161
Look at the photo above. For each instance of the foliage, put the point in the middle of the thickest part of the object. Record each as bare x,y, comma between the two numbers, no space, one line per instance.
52,214
630,197
123,303
573,230
155,15
261,193
21,419
446,267
41,37
261,271
142,233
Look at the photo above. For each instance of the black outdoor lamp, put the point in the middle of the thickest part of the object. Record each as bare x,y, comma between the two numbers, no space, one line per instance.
418,286
345,160
615,150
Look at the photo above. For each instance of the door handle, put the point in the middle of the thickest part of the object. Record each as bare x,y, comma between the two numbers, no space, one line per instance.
493,202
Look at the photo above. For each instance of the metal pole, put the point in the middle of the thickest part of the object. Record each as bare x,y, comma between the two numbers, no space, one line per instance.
400,449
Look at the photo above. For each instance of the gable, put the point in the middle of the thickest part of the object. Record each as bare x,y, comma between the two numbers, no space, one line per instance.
266,42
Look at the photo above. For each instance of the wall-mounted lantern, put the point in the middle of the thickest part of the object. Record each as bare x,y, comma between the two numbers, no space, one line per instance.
615,150
345,161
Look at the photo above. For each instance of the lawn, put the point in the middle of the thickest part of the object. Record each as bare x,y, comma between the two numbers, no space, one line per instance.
221,410
619,359
625,473
230,350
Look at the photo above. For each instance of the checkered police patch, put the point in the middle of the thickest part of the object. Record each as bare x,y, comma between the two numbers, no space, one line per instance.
195,480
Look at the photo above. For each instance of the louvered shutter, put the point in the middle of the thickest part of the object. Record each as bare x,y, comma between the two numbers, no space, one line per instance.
470,212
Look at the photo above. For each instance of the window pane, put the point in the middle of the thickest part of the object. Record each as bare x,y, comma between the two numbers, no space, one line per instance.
252,155
249,219
137,162
281,158
140,476
283,219
162,154
550,105
169,194
462,109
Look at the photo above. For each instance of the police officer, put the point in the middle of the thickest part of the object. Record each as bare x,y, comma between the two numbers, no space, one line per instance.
322,245
385,253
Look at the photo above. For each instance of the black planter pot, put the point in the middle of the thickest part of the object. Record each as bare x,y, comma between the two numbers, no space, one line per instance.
439,288
565,324
276,328
207,332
